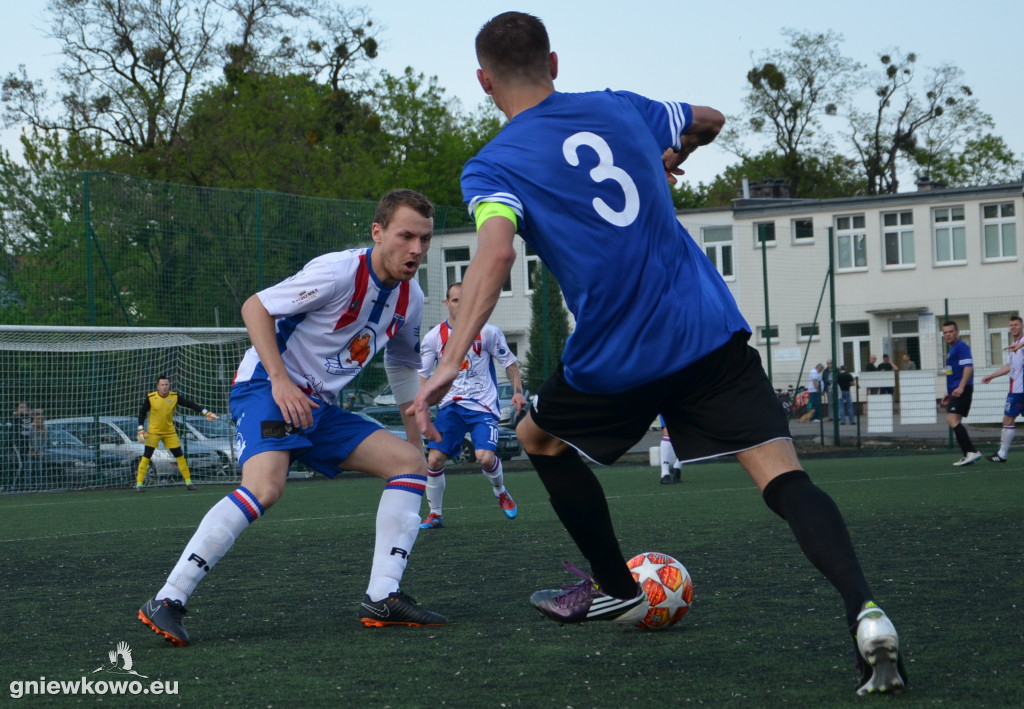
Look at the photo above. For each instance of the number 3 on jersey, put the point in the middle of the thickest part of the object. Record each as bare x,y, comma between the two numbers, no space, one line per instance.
605,170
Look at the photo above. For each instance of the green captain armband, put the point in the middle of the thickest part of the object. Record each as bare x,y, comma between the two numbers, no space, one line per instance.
493,209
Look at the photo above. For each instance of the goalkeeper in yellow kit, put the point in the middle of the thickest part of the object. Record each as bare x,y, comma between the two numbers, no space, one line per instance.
159,406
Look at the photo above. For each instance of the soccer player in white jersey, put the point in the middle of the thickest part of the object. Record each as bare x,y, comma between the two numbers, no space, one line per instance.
311,335
582,179
470,405
1015,397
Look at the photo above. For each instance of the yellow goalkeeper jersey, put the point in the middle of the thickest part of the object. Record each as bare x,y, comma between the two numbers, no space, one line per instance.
161,411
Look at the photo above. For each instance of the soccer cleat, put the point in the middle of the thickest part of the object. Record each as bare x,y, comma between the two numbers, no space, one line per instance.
968,459
433,521
677,474
164,618
878,653
190,486
996,458
397,609
667,480
586,601
508,505
139,488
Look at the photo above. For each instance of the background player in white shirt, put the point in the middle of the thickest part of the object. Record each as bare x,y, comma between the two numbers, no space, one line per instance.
1015,397
471,404
312,334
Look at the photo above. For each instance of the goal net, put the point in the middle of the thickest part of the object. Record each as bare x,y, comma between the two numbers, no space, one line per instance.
70,399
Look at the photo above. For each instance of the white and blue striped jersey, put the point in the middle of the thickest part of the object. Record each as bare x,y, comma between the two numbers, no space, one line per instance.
476,387
332,317
584,175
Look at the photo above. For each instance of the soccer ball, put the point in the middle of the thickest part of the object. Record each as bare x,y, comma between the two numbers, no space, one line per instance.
668,587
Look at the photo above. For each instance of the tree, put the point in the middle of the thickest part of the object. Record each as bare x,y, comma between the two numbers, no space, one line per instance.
915,129
430,137
131,67
788,94
549,328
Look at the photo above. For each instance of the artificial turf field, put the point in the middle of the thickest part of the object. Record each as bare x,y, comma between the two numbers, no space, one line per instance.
274,624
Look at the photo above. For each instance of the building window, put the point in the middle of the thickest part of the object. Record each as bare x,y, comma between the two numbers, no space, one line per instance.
851,246
762,334
808,333
998,338
421,277
854,345
803,231
764,232
898,239
950,236
532,269
718,247
999,226
456,261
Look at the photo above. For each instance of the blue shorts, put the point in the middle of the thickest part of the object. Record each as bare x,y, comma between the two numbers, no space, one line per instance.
259,427
1014,405
453,421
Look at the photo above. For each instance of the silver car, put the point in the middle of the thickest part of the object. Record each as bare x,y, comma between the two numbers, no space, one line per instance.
116,434
218,435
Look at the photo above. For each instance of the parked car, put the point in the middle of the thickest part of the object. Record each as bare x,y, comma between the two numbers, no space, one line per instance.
508,417
64,461
391,418
116,434
218,435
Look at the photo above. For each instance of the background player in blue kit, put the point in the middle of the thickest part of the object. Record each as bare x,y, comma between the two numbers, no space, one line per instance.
582,178
959,390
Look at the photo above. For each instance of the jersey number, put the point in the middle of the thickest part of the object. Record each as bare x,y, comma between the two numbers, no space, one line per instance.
605,170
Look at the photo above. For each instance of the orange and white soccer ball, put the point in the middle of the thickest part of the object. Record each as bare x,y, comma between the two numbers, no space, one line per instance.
668,586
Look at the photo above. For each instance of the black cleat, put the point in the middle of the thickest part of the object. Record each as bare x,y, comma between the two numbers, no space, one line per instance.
996,458
397,609
164,618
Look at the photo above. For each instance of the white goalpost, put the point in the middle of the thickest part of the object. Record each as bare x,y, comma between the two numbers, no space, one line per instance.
70,399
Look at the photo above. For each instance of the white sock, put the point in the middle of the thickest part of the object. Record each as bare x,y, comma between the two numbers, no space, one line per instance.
495,476
667,455
435,489
216,533
398,523
1006,439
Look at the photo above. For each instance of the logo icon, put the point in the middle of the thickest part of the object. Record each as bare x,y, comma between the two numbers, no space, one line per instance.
120,662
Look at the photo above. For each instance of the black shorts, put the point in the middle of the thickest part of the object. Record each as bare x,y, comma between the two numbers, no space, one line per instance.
721,404
961,405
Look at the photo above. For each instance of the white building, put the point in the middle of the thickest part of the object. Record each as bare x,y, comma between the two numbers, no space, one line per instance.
903,264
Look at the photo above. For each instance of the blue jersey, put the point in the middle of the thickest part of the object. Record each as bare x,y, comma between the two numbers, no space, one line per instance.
584,175
958,357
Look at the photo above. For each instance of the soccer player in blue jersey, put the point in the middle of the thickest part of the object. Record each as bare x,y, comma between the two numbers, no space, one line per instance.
312,334
582,178
959,390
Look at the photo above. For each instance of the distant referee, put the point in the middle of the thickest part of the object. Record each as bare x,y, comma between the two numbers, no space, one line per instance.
159,406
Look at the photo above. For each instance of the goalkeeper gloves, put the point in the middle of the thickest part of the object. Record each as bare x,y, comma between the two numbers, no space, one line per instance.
210,416
142,435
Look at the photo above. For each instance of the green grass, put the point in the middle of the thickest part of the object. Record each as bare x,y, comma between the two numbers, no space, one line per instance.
274,624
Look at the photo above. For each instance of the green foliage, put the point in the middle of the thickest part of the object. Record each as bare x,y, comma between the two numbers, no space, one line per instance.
823,176
549,327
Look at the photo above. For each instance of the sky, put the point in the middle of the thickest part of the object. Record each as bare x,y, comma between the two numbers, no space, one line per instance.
694,52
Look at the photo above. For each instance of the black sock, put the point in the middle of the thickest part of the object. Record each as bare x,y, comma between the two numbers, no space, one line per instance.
963,438
821,532
579,501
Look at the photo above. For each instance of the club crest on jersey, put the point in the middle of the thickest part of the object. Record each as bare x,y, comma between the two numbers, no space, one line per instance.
351,358
396,324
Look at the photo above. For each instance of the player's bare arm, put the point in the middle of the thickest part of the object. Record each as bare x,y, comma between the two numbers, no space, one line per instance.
294,404
518,400
481,289
1005,369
